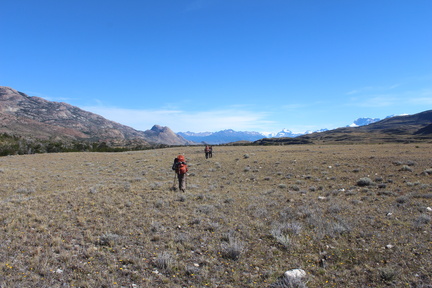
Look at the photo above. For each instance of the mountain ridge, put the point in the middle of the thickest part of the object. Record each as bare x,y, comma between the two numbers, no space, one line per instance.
32,116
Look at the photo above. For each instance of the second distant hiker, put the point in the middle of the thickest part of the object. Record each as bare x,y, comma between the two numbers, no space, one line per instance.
207,151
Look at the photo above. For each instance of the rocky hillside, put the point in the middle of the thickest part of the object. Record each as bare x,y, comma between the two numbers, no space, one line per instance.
35,117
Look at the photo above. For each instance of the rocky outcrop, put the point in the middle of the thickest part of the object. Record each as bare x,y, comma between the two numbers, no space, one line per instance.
165,135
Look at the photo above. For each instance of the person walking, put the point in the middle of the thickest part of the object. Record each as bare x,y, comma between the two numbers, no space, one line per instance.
181,168
211,151
207,151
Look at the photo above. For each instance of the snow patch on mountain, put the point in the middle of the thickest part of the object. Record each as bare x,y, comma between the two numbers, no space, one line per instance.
316,131
363,121
195,134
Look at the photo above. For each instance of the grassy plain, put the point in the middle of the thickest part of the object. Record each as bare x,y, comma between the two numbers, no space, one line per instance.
349,215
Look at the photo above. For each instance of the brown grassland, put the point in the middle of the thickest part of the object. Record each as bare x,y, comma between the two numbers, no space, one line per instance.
349,215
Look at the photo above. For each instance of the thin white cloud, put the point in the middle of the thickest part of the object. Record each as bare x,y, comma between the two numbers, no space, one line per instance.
372,89
303,105
374,101
407,98
182,121
293,106
427,101
357,91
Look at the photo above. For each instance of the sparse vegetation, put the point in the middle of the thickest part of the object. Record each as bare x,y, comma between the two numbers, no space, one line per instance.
19,145
112,219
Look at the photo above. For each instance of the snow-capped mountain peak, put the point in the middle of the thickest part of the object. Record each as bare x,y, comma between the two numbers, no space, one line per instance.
363,121
284,133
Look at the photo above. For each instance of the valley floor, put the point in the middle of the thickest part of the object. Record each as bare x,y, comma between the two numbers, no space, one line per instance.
349,215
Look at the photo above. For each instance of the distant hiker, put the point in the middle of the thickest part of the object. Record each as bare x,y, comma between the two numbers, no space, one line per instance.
180,167
207,151
211,151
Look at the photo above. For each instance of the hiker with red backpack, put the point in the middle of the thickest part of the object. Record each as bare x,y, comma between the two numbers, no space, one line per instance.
180,167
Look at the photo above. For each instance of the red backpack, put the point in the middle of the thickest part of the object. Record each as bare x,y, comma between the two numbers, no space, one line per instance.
180,165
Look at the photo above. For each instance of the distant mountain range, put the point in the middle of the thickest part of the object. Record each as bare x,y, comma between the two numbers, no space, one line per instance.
221,137
229,135
34,117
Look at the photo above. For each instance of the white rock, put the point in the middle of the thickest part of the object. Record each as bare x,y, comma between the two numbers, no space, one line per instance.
59,271
321,198
295,273
429,209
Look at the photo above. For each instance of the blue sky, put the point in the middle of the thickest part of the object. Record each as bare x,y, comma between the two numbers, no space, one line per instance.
210,65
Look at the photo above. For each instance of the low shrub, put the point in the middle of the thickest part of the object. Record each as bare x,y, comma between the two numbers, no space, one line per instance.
365,181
